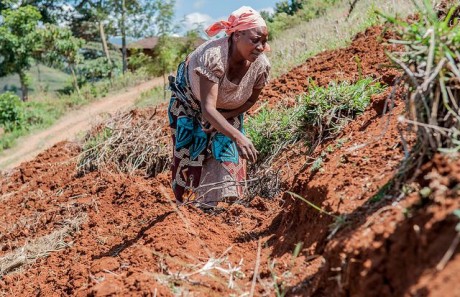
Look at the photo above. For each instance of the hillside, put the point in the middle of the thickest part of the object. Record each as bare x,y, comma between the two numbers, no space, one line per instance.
111,234
43,79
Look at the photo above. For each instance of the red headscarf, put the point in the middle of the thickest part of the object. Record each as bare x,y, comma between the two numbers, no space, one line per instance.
243,18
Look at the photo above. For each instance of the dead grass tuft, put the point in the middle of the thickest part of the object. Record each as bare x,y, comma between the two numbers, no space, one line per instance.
41,247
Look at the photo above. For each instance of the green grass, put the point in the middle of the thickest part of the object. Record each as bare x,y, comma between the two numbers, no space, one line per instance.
270,130
153,97
319,114
329,31
44,81
329,109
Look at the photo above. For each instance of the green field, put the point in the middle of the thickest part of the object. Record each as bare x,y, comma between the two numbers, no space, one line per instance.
43,80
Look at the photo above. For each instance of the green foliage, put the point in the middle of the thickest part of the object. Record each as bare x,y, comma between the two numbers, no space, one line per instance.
94,70
294,12
152,97
50,10
329,109
288,7
321,113
19,42
59,46
166,56
11,112
138,59
271,129
431,62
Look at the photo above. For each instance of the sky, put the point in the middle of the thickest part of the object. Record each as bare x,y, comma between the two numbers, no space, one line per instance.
209,11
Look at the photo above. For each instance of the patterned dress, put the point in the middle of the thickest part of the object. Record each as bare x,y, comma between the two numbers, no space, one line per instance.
207,167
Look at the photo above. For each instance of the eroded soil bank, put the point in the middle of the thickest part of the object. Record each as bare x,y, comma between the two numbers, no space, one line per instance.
131,240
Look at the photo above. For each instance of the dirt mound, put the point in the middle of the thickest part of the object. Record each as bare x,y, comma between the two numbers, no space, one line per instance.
401,246
131,240
365,57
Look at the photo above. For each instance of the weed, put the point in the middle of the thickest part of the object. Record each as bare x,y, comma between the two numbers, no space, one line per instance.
317,164
382,192
278,284
271,130
329,109
339,220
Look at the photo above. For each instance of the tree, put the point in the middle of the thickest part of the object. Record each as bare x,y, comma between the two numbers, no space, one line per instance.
90,20
19,42
60,47
50,10
166,51
288,7
136,18
94,19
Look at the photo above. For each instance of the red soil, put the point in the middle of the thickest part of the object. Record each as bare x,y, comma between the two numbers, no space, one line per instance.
135,242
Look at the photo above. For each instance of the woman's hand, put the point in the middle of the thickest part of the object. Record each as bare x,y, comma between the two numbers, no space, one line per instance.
246,148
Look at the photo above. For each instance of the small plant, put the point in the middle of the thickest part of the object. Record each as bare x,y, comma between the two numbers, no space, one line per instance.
431,64
11,112
339,221
325,111
317,164
271,130
278,284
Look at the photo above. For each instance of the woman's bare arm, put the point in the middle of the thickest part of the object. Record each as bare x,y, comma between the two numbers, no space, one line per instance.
208,95
245,107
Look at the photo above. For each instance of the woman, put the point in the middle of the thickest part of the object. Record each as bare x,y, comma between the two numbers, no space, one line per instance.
214,87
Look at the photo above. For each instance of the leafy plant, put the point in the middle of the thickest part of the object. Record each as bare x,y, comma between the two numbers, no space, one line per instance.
19,42
11,111
431,65
271,130
327,110
321,113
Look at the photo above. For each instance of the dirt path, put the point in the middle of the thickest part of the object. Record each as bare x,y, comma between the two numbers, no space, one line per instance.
71,124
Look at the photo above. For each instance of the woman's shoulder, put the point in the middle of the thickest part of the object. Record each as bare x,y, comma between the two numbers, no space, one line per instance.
263,60
263,64
213,47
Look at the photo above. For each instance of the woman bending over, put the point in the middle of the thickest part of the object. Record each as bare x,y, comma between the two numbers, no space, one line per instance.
214,87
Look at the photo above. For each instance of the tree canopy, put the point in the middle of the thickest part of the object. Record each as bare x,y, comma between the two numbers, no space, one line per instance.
19,42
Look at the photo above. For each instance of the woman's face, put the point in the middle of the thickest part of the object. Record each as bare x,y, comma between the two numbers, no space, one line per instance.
251,43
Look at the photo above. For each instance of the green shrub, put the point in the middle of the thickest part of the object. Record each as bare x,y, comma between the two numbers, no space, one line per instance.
328,110
11,111
288,16
431,63
321,113
271,130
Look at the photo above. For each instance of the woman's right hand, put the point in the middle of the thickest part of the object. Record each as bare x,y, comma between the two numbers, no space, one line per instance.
246,148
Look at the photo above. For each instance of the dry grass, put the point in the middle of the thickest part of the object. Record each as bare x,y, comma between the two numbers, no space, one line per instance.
41,247
331,31
128,142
